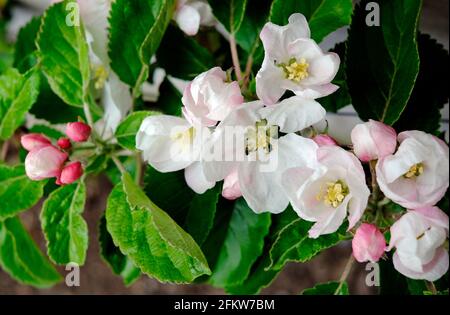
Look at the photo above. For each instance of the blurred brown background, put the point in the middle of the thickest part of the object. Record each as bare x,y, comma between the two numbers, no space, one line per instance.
97,278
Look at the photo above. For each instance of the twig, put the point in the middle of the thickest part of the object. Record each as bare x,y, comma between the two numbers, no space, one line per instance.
4,151
345,273
235,58
431,287
119,164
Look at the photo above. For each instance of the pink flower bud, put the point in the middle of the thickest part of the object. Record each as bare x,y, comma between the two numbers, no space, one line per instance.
324,139
71,173
64,143
373,140
34,141
231,189
78,131
368,243
44,162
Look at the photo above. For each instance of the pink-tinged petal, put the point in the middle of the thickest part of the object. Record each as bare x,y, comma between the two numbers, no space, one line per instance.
78,131
195,178
294,114
231,189
331,223
33,141
368,244
269,83
432,271
188,19
44,162
373,140
70,173
435,215
64,143
312,91
324,139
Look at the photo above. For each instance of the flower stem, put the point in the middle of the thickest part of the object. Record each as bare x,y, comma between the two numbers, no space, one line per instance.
235,58
4,151
345,273
431,287
87,113
118,164
138,175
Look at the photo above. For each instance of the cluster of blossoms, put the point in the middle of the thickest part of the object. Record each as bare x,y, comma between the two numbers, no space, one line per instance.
46,160
258,150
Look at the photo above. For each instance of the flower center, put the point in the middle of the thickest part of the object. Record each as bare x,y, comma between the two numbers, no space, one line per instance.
296,70
414,171
260,136
184,137
100,76
333,194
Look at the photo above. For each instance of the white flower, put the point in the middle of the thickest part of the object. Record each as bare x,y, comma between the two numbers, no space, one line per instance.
170,143
294,62
257,155
327,192
417,174
208,99
419,238
191,14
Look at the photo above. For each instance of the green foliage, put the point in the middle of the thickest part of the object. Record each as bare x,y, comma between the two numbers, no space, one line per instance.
25,51
383,62
136,30
243,244
230,13
17,191
63,226
120,264
324,16
17,95
329,288
146,234
64,56
22,259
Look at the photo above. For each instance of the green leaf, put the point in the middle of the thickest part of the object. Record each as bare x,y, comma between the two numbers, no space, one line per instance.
324,16
17,95
383,61
136,30
430,93
64,228
294,244
243,244
201,213
329,288
22,259
416,287
169,101
64,55
120,264
230,13
97,164
128,128
25,50
146,234
181,56
17,191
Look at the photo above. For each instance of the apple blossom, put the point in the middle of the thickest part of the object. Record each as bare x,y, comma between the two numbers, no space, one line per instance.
44,162
417,174
373,140
64,143
324,139
33,141
328,192
294,62
209,98
419,237
71,173
368,244
78,131
257,155
191,14
231,189
170,143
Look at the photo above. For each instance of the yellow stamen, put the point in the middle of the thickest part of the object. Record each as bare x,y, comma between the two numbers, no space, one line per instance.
414,171
296,70
185,138
259,137
100,76
334,195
